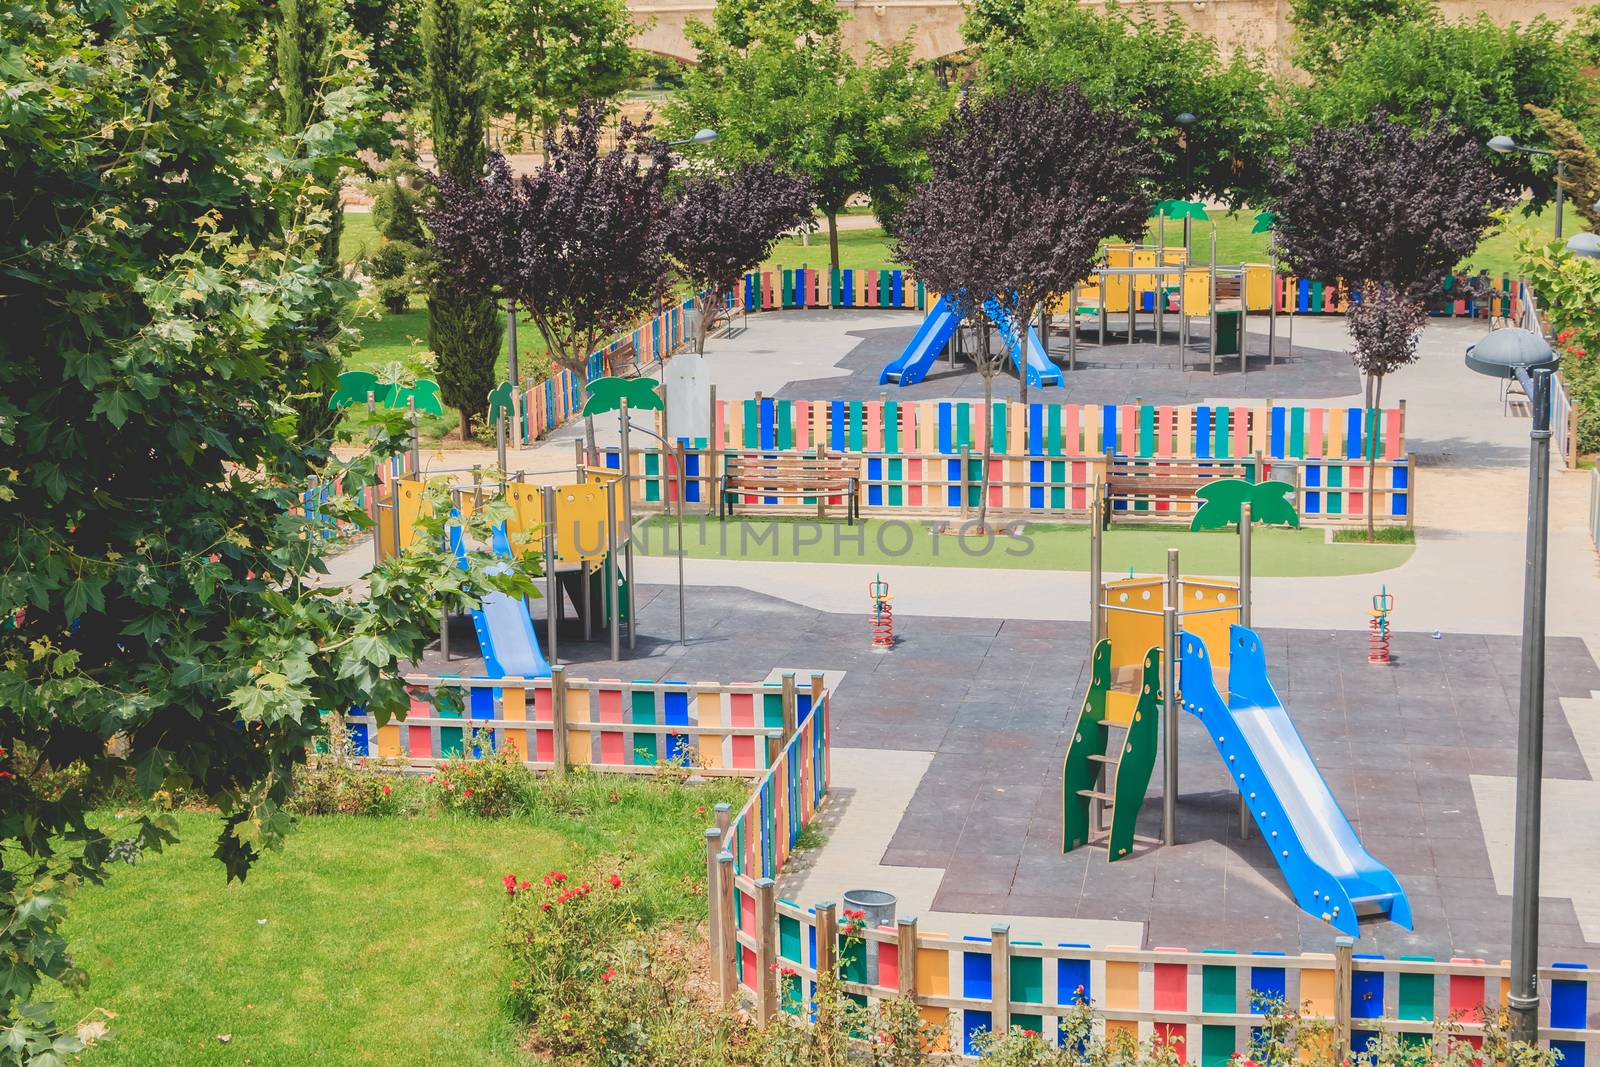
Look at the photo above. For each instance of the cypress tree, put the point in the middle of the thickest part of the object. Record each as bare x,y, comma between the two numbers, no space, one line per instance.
306,49
463,323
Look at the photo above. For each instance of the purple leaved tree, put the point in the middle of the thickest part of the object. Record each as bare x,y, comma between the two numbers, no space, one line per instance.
579,244
720,226
1383,211
1026,186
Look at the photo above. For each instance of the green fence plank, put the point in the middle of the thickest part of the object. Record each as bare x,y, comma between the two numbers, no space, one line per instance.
644,712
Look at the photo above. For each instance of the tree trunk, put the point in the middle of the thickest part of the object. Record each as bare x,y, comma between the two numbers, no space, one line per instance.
1374,418
987,365
833,241
466,429
581,372
702,326
1024,322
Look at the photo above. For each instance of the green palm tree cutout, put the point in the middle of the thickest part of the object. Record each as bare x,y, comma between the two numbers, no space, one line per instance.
1181,209
1264,221
354,385
500,401
425,392
608,394
1223,501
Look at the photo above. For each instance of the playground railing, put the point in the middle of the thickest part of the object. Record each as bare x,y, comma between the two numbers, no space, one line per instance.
1210,1000
1328,490
709,729
1594,507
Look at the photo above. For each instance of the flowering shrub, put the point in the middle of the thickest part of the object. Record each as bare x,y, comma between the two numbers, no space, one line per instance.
327,787
1568,288
492,786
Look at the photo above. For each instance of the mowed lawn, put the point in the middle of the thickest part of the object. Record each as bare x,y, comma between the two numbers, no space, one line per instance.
378,944
879,542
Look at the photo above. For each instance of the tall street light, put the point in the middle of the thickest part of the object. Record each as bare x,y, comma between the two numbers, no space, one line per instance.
704,135
1503,144
1525,356
1186,121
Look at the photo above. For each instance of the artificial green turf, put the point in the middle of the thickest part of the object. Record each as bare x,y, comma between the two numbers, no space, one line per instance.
379,945
1277,553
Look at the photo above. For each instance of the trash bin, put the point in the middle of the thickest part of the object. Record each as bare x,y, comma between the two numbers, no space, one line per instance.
879,908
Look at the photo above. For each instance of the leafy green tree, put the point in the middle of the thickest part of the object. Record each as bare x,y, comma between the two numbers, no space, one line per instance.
543,56
1478,74
989,21
165,628
393,32
319,66
463,323
779,85
1152,69
1326,31
1582,181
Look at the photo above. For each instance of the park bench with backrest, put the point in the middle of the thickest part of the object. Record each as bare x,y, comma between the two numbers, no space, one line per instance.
769,480
1168,482
623,360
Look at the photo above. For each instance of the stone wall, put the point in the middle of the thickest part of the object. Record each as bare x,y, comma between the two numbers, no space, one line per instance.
935,25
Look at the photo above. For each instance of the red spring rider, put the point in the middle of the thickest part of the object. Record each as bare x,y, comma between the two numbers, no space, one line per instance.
882,614
1378,628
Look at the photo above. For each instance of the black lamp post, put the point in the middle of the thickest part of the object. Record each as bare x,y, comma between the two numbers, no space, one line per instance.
1186,121
1525,356
1504,144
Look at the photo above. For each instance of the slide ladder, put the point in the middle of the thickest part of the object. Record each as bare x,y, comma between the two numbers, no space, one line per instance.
1329,872
1109,762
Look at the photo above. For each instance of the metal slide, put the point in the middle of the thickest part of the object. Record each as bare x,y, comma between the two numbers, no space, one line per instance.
1041,372
1329,872
912,364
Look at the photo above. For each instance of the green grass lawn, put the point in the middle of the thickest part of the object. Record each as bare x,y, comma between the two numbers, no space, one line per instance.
864,249
1278,553
379,944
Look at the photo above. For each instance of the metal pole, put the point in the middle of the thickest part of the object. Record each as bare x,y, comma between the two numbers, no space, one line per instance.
1096,536
626,460
1072,331
613,595
682,639
416,445
1523,1000
1245,567
552,588
1213,299
1272,316
1169,705
500,442
1561,194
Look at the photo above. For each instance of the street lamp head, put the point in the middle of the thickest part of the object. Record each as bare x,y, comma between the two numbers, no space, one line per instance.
1185,119
1505,352
1585,244
703,135
1502,144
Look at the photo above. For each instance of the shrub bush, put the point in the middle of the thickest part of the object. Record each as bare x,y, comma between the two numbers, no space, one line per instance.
491,786
329,787
393,270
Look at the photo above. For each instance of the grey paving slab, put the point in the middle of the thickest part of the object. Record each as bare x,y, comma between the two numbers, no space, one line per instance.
992,700
1118,372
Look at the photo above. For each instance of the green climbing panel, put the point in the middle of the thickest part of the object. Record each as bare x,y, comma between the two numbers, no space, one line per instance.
1088,739
1137,760
597,589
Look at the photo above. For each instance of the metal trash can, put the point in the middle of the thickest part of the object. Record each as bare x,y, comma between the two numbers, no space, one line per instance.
879,908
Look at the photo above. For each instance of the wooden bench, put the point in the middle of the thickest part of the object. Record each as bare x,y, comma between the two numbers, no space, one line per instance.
1170,482
623,360
790,480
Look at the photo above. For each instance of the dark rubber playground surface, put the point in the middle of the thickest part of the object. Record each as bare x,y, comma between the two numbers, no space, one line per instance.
1112,374
994,700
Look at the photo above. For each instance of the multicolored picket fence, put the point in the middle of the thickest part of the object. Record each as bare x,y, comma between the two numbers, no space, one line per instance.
1209,1000
924,456
317,494
892,287
628,727
544,406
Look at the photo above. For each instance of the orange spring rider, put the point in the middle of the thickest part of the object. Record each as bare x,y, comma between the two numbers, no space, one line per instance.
1378,628
882,614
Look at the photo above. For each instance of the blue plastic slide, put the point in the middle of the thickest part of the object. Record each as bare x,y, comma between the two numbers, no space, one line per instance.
934,333
1329,872
505,627
1041,372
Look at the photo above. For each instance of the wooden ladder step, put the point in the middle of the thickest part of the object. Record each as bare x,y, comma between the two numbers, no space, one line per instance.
1108,760
1096,795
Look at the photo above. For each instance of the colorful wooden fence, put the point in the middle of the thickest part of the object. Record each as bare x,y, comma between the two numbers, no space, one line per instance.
923,456
317,493
1209,1000
628,727
549,404
891,287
